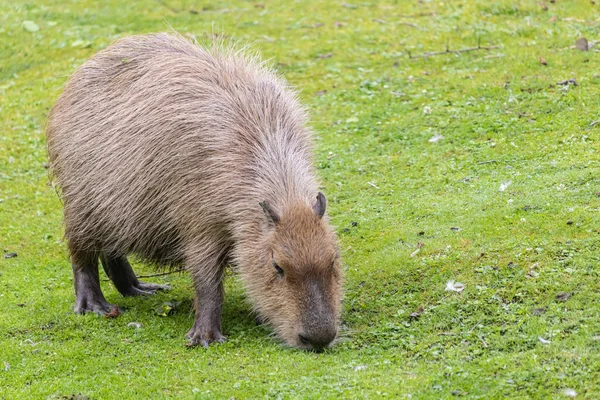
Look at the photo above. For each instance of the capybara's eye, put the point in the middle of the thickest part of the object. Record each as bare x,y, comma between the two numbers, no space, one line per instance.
278,268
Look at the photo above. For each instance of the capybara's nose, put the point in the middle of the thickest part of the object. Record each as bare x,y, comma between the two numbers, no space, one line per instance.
318,340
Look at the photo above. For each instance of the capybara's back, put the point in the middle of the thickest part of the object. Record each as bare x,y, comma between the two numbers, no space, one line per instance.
195,157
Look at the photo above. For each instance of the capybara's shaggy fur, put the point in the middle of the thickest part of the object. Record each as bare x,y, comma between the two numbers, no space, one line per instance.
201,158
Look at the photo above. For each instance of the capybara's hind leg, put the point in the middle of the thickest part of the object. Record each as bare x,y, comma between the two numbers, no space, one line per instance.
89,297
120,272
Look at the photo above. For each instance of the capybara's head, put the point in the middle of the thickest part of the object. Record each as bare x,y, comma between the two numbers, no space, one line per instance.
302,279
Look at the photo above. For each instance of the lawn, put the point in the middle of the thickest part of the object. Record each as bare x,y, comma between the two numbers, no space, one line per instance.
479,167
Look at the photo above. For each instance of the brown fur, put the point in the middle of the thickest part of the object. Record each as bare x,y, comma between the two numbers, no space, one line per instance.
165,149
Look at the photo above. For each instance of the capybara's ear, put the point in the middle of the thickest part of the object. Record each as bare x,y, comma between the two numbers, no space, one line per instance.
320,204
269,212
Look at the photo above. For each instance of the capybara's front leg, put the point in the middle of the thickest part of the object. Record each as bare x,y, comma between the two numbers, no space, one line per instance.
209,307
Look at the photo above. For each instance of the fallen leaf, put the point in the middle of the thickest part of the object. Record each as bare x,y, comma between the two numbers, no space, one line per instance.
505,186
167,308
532,274
325,55
414,253
543,341
78,396
563,296
567,82
436,138
320,92
452,286
582,44
81,43
542,60
539,311
417,313
10,255
114,313
30,26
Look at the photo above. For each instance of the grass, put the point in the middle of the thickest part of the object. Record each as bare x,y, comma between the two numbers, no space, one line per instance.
504,121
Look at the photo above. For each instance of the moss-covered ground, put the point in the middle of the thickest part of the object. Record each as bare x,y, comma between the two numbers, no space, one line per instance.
476,167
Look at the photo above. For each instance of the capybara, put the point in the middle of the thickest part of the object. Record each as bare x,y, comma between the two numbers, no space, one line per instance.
201,158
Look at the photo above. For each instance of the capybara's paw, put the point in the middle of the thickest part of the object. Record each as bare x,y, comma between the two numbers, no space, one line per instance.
204,337
85,304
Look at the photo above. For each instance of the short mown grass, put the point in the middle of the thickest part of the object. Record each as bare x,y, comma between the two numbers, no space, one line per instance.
507,202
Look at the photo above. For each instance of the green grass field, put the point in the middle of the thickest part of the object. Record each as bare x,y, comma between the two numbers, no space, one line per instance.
506,202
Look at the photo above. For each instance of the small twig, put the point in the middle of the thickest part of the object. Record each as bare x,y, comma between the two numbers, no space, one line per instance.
457,334
157,274
411,25
416,15
162,273
489,57
487,162
475,326
483,342
448,51
168,7
595,123
372,184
